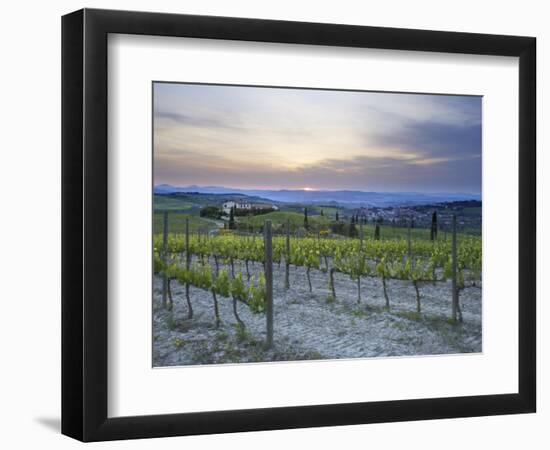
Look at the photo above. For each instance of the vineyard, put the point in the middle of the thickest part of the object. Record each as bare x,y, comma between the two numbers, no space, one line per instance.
261,291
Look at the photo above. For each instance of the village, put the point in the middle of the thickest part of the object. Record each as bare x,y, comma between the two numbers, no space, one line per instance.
418,216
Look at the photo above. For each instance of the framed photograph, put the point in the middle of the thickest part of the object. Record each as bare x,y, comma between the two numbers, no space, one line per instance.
272,224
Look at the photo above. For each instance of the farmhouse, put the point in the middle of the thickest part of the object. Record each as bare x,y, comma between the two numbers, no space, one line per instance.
245,206
228,205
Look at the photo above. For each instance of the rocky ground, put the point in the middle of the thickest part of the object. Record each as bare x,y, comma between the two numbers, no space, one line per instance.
313,325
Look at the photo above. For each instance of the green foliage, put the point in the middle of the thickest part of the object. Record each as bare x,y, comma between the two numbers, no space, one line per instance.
279,220
222,336
338,228
304,254
385,258
383,269
171,322
411,315
353,229
222,283
201,276
240,332
212,212
238,288
257,296
344,254
178,342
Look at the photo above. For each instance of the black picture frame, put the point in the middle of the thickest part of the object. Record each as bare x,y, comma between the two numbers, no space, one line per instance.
84,224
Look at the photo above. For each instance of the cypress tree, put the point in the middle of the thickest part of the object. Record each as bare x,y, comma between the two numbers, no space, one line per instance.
232,218
377,232
433,231
352,228
337,217
306,224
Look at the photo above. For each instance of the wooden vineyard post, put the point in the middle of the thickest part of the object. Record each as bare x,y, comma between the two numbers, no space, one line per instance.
287,255
268,282
409,251
187,266
361,235
187,255
454,273
164,256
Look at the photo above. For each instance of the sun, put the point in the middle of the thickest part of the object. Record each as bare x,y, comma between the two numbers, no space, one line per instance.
309,189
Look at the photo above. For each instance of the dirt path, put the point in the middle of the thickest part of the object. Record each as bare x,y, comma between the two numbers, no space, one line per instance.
311,326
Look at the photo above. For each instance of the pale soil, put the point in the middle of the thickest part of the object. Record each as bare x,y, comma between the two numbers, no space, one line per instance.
311,326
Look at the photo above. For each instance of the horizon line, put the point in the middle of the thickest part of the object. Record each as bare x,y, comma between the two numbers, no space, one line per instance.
307,189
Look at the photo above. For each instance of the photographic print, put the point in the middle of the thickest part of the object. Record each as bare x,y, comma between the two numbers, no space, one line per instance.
295,224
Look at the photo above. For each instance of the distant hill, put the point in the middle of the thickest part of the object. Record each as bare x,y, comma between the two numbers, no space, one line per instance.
349,198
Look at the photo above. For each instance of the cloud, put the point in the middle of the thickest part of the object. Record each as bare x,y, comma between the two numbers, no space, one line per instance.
361,173
265,137
432,139
195,121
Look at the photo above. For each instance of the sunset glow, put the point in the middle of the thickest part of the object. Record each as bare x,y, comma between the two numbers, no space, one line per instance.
253,137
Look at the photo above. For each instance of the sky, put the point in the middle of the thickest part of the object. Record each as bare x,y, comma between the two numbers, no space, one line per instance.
280,138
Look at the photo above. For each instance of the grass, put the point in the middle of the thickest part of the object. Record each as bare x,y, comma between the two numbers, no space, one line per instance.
173,203
328,211
314,210
387,231
171,322
391,232
241,333
281,217
222,336
176,223
178,342
410,315
399,326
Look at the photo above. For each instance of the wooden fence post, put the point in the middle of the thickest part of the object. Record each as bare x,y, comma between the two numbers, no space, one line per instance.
409,250
454,272
268,282
287,255
187,254
187,266
361,235
164,257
